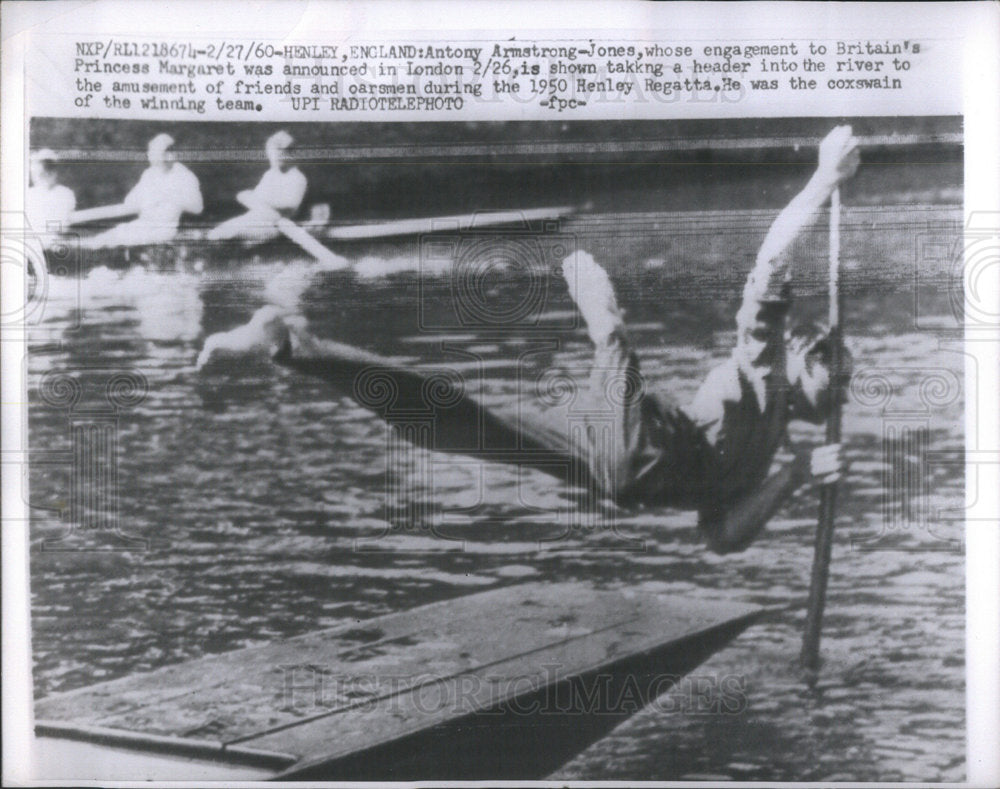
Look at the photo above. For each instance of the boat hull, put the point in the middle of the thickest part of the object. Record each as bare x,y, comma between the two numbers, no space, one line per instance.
192,250
186,253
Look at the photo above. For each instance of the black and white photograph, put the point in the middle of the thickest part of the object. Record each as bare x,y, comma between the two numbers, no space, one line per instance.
416,492
502,450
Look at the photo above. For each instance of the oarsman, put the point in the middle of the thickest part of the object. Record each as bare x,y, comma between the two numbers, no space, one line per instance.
166,191
47,203
279,194
636,447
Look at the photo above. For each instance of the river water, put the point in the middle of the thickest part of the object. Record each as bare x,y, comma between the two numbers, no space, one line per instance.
254,504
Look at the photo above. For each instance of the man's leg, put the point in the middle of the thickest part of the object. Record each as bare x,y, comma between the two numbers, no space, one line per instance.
613,417
400,395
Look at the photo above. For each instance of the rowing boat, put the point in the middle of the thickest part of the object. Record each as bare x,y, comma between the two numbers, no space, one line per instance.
191,247
506,684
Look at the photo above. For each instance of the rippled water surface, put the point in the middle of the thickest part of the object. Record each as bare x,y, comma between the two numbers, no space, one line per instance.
253,503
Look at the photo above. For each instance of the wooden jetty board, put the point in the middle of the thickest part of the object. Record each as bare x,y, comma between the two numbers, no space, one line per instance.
329,695
66,759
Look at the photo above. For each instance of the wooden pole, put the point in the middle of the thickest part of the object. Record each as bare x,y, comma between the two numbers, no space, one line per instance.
809,657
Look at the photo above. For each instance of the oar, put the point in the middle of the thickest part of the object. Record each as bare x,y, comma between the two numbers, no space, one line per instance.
115,211
295,233
449,224
809,657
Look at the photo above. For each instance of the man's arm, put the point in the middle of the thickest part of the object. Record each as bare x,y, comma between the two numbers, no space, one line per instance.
732,530
193,203
838,160
461,424
760,320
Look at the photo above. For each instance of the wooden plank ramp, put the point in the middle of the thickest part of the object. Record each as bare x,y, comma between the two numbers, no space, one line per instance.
508,683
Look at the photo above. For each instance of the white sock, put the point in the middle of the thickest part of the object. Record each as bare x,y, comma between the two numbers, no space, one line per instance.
594,295
266,332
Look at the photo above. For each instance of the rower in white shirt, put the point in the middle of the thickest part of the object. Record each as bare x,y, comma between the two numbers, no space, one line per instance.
279,194
47,203
166,191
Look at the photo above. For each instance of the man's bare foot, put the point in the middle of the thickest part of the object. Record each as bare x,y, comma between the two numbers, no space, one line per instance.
266,333
594,295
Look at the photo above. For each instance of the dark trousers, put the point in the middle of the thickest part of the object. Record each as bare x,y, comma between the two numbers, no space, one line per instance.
606,434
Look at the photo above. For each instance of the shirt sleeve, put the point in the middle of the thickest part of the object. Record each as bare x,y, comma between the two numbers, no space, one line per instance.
760,323
760,320
708,408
